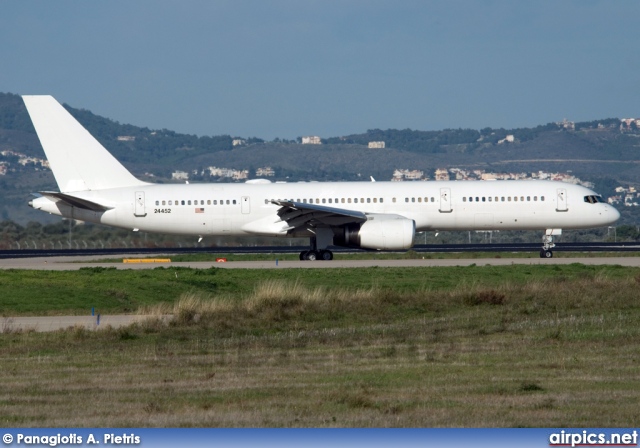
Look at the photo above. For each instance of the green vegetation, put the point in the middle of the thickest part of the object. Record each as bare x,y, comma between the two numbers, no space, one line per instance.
476,346
124,291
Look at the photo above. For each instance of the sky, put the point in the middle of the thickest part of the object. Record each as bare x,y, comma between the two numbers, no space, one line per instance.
289,68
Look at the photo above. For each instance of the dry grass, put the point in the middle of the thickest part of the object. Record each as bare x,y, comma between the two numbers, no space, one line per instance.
541,353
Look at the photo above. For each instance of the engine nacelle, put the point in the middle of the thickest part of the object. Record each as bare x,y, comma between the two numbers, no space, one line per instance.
385,232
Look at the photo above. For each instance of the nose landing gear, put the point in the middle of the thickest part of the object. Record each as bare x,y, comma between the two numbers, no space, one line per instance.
547,242
546,253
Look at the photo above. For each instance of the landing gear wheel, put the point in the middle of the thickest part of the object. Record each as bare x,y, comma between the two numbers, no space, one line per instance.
546,254
326,255
311,255
303,255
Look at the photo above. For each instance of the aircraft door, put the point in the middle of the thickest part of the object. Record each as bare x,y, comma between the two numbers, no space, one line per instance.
445,200
246,205
561,200
139,206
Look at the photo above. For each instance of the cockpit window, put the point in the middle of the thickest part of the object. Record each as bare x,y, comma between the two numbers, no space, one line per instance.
593,199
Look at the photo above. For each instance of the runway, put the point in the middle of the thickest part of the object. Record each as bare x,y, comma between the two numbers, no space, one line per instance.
76,263
533,248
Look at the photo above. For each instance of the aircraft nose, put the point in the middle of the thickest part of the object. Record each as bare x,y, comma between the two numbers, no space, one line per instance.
611,214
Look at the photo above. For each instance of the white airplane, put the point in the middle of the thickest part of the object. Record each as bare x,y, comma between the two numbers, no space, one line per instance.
95,187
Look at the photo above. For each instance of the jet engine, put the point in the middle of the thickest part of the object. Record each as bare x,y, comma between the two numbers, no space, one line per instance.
384,232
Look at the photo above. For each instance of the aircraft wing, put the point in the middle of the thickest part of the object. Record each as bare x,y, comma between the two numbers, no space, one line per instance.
298,214
74,201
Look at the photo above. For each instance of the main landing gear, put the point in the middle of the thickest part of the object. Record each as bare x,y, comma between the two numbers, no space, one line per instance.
313,255
319,244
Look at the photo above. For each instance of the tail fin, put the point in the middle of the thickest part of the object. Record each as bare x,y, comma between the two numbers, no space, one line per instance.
78,161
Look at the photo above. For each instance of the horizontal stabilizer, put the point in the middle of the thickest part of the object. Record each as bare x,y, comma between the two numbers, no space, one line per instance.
75,201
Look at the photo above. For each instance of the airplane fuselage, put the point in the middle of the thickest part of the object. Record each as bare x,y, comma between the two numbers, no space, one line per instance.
230,209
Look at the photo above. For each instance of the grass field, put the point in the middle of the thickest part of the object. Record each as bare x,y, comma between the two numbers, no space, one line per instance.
468,346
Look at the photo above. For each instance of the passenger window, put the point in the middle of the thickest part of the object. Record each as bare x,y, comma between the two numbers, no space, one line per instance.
484,199
509,199
381,200
368,200
170,202
157,202
375,200
535,198
406,199
330,200
528,198
515,198
489,198
464,199
477,199
522,198
413,199
393,200
324,201
234,202
502,199
342,200
542,198
189,202
349,200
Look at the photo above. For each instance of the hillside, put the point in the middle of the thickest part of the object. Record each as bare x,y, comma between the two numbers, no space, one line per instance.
598,151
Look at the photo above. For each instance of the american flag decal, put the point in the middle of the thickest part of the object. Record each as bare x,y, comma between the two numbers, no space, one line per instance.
199,210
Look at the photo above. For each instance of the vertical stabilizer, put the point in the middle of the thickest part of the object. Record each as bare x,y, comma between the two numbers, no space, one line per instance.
78,161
